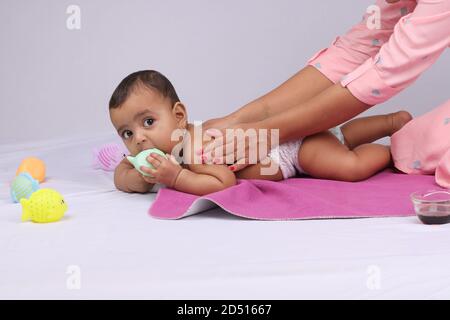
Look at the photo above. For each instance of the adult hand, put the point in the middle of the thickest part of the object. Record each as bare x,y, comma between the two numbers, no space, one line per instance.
234,148
218,123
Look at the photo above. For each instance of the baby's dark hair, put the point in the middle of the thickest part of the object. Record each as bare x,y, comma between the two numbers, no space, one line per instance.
149,78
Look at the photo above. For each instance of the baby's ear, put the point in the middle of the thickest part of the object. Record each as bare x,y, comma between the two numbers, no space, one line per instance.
180,113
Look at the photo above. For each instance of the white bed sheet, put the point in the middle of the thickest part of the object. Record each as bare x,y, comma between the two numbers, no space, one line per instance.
120,252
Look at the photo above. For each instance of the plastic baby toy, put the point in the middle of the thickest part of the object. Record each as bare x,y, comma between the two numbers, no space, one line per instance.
23,186
44,205
141,159
108,156
34,166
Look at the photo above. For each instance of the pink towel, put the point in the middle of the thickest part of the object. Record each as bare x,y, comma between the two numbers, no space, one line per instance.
385,194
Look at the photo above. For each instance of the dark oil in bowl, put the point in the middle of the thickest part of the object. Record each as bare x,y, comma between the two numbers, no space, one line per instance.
437,219
432,206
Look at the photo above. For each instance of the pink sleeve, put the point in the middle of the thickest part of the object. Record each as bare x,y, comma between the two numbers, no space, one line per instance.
442,174
362,41
418,40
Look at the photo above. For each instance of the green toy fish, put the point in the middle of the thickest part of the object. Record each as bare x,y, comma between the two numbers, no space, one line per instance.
44,205
141,159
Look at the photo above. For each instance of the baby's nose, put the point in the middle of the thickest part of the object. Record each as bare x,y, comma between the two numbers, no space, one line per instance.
144,144
140,141
140,138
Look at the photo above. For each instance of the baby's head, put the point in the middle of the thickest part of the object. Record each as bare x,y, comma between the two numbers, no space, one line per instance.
145,110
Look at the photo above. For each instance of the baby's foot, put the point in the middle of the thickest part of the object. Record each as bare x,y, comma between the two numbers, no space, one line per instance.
398,119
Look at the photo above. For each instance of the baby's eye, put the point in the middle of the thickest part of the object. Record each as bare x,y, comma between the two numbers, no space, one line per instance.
148,122
126,134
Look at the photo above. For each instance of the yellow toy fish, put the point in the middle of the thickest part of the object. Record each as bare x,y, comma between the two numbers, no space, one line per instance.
44,205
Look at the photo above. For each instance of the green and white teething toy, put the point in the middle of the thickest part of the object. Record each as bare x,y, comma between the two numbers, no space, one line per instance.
141,159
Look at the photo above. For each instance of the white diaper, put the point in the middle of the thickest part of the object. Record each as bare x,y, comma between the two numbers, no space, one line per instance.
286,154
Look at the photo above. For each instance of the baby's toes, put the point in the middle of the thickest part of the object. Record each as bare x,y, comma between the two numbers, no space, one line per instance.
399,119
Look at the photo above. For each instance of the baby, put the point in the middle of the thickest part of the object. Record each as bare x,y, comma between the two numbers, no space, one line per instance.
146,111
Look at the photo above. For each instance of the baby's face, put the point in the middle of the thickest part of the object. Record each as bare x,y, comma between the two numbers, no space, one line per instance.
146,120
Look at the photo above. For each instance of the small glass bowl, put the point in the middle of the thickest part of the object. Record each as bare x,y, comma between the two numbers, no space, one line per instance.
432,206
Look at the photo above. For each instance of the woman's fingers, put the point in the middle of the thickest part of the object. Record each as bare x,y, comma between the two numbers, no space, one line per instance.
236,167
214,133
221,152
209,150
225,150
225,137
226,155
229,147
211,132
239,165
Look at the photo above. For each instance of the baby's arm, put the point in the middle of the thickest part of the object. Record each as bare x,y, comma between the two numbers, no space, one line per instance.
128,179
202,179
198,179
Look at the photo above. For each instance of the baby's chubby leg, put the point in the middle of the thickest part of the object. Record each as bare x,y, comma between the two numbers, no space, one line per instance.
369,129
323,156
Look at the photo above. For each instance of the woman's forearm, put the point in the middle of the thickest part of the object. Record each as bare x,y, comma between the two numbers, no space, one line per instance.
298,89
251,112
332,107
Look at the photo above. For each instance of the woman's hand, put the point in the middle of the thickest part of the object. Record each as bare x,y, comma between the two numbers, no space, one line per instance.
166,170
242,153
218,123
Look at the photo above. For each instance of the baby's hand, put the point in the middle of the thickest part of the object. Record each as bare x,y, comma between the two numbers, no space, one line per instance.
149,179
166,170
